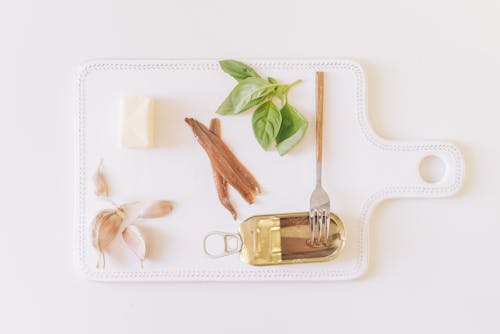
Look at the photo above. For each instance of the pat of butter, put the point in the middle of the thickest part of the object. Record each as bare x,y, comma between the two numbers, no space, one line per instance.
136,122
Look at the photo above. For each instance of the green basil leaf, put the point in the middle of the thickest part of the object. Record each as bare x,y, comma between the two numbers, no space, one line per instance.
249,92
254,102
226,107
237,69
266,123
246,94
292,130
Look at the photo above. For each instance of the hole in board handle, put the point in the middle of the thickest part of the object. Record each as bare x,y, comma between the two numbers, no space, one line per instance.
432,169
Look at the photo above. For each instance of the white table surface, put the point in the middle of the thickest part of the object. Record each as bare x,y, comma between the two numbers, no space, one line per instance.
433,72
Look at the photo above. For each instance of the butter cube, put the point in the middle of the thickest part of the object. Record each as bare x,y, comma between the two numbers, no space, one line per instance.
136,122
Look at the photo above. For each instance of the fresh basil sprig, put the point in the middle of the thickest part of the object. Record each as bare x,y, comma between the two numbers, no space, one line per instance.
270,123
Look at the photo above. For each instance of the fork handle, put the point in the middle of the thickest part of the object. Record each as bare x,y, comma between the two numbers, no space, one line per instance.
319,122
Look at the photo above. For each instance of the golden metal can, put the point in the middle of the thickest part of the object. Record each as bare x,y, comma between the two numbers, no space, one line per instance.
280,239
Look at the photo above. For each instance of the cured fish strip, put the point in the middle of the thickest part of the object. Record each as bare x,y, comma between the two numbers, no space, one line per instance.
221,183
230,157
224,161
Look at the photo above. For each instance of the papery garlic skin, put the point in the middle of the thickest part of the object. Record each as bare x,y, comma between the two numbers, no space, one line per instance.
105,227
100,183
134,239
156,209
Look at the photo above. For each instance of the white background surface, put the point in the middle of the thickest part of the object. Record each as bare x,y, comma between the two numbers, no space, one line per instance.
433,69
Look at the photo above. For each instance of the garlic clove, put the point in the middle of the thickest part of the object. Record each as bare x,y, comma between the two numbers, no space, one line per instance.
100,183
105,227
96,226
156,209
135,241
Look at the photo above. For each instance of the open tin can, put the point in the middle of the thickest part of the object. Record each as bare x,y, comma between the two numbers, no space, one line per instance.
278,239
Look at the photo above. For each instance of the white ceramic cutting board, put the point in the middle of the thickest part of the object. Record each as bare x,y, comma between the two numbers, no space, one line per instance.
360,168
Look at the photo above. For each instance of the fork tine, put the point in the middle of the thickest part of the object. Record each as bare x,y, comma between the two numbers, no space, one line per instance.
316,222
311,226
326,224
319,226
327,228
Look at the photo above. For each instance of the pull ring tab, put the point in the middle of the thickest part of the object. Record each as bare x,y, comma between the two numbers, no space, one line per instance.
232,244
